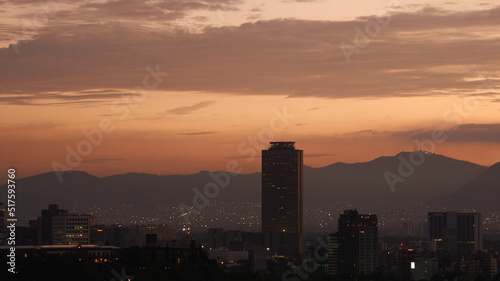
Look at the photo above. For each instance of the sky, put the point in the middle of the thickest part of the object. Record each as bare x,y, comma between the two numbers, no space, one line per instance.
177,87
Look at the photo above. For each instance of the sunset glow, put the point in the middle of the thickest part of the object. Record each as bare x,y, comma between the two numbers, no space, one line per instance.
231,66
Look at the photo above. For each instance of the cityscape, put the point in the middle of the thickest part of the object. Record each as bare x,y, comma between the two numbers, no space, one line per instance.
250,140
266,241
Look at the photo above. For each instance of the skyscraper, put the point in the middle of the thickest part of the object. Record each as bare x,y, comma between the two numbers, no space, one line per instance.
356,240
282,196
457,233
46,222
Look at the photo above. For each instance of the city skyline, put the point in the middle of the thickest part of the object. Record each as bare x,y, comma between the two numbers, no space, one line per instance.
232,140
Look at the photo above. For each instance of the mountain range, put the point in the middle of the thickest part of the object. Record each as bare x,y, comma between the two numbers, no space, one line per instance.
437,181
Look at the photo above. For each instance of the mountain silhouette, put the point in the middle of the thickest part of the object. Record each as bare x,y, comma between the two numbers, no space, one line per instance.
362,184
481,193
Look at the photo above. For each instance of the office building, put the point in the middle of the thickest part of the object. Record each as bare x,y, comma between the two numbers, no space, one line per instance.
357,239
333,253
215,238
71,229
46,222
282,197
457,233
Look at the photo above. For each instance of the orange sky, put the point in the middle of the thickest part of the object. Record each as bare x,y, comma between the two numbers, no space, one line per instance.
232,65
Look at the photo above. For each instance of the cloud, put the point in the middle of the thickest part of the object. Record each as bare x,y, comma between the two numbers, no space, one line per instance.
317,155
241,157
101,160
440,51
191,108
256,9
197,133
474,133
85,97
465,133
479,133
30,126
314,108
301,1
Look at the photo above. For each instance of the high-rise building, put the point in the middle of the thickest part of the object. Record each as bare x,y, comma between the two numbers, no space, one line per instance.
333,253
71,229
215,238
46,223
282,197
356,242
457,233
469,233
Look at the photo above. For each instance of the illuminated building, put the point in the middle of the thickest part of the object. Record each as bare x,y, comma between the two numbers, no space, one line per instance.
456,232
46,222
71,229
357,239
282,192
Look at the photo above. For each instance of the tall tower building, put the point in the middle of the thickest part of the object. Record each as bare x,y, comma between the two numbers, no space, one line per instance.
457,233
46,222
282,196
356,242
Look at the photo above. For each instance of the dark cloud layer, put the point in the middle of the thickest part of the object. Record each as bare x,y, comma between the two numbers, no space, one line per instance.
101,160
481,133
431,52
473,133
196,133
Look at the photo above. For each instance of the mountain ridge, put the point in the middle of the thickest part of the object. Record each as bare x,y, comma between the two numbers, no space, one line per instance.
361,183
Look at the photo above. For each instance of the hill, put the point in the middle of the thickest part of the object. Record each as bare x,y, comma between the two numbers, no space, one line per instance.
362,184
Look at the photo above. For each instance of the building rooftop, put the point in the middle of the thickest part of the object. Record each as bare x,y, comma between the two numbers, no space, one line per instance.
59,247
282,145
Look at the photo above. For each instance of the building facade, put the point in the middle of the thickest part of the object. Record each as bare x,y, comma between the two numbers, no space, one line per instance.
457,233
46,222
71,229
357,240
282,196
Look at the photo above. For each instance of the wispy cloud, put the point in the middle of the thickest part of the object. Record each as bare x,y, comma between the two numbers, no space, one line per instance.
85,97
317,155
30,126
197,133
242,156
191,108
481,133
478,133
101,160
314,108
